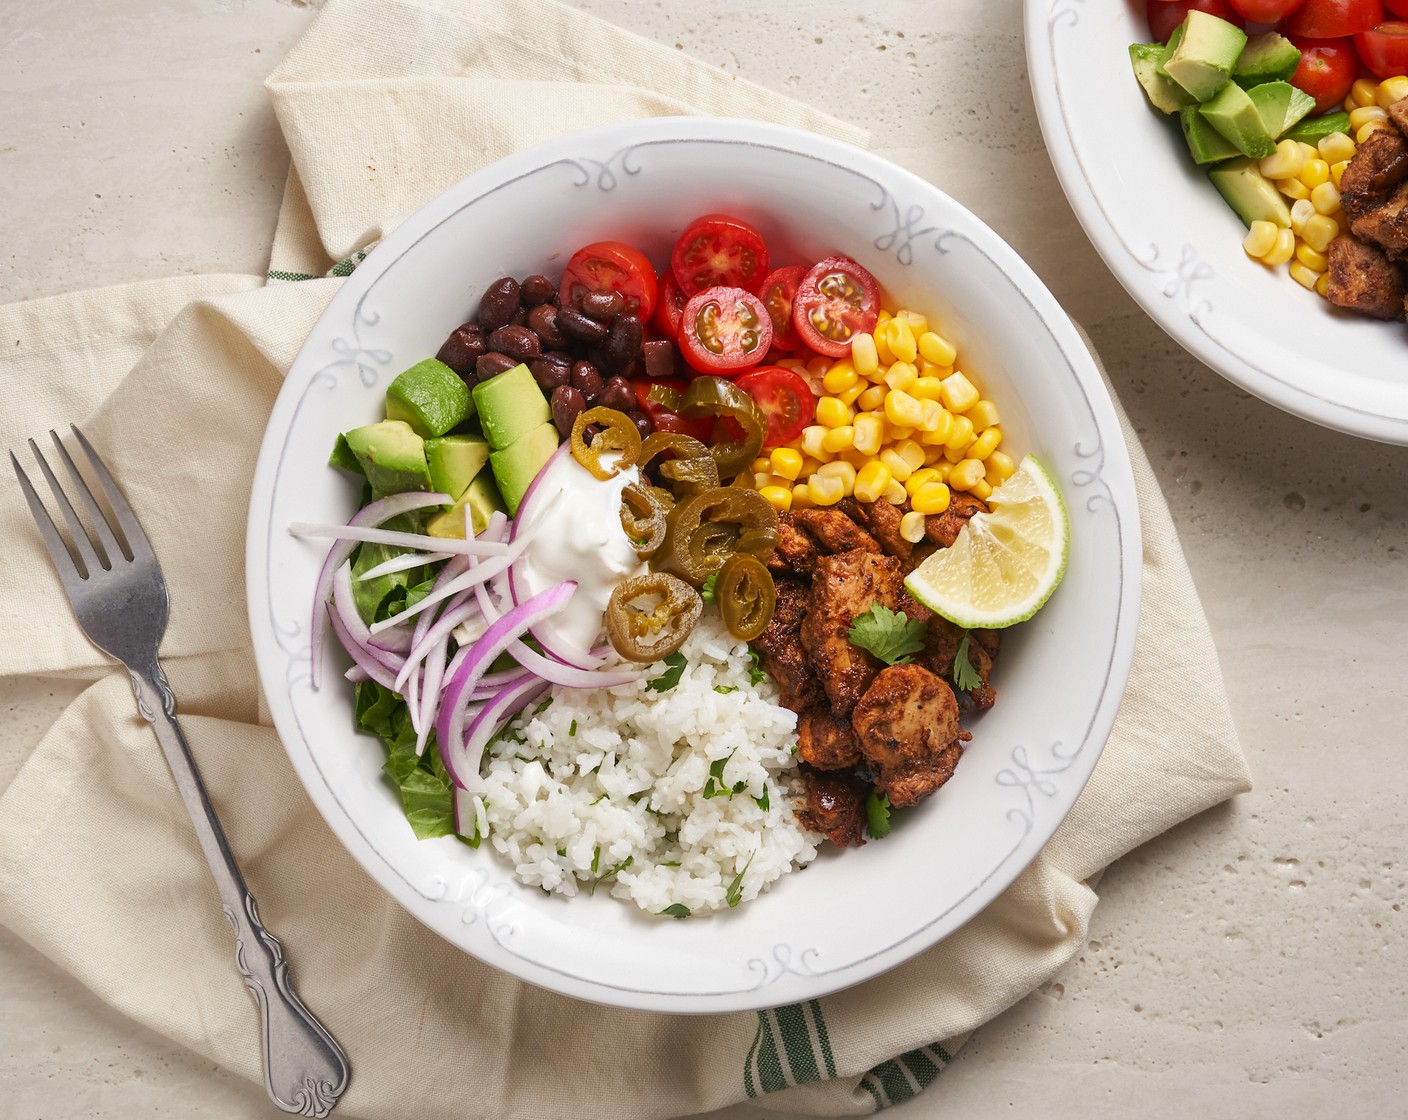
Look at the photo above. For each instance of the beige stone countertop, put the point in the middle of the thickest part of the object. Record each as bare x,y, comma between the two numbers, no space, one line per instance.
1249,963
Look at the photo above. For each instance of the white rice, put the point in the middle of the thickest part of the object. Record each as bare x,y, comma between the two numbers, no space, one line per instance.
604,776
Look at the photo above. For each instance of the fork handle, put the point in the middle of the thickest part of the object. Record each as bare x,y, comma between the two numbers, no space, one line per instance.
305,1069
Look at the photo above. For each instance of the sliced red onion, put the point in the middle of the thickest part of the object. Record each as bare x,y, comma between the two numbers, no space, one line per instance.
430,687
449,726
359,653
356,674
373,513
481,572
455,613
395,640
491,717
346,610
401,563
411,695
470,817
397,539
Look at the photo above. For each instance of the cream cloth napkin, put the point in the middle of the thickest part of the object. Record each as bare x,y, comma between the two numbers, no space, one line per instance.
384,104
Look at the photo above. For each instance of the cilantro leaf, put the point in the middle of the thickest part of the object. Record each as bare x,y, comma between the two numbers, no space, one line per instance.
965,673
734,895
877,815
707,592
725,689
756,675
889,635
677,910
764,801
671,676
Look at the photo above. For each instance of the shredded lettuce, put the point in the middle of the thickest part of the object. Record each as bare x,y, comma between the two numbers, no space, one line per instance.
427,794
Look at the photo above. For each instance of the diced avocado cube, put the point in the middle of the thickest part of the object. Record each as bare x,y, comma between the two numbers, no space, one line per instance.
1268,57
1313,129
1234,114
1206,52
516,465
342,456
430,397
510,404
1250,193
1205,142
1164,94
480,497
454,461
392,456
1280,105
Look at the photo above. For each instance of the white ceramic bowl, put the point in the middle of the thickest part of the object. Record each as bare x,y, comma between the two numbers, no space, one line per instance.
852,914
1168,237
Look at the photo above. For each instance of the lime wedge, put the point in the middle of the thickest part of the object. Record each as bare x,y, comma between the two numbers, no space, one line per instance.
1004,564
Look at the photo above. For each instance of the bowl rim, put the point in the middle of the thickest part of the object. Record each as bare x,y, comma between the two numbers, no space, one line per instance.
797,142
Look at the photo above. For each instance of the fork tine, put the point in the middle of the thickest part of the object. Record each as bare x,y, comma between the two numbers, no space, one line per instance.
64,564
137,543
110,542
92,556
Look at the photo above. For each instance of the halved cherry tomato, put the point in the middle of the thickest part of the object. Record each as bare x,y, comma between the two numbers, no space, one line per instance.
724,330
1397,7
719,251
1164,17
785,400
610,266
1384,49
669,306
1333,19
777,293
659,400
836,300
1327,69
1265,11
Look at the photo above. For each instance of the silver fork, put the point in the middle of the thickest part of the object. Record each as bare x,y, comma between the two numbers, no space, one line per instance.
115,586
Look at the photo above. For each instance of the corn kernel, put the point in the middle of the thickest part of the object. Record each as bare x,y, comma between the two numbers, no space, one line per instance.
1325,198
872,400
882,348
785,461
1315,172
833,413
984,415
911,452
932,497
810,465
1292,188
896,464
812,435
918,324
1285,163
1300,214
960,394
882,317
761,479
763,464
825,491
899,340
901,375
849,396
1303,276
1313,260
842,470
1003,464
933,414
926,388
1337,171
1392,90
779,497
937,349
966,474
1336,147
818,366
981,489
942,430
934,456
912,526
1322,286
1320,231
894,432
1368,130
838,439
894,493
1310,151
869,432
929,369
919,478
863,355
902,410
1284,250
1261,237
1364,91
961,436
856,458
840,377
986,443
943,466
1366,113
871,481
990,476
802,496
955,455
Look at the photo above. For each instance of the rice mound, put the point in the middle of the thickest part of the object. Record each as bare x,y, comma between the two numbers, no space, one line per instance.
605,789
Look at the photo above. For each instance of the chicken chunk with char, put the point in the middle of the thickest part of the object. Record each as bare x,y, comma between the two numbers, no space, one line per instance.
907,724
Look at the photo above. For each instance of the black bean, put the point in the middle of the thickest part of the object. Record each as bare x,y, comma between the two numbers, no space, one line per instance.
586,379
659,358
623,343
465,344
567,402
601,305
642,422
542,321
516,342
550,373
492,364
574,323
618,394
499,304
537,289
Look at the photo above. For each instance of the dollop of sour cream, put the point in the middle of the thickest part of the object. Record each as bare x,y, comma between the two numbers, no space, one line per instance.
577,535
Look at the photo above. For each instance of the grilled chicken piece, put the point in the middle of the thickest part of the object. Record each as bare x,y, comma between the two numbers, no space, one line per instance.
796,552
1363,279
1375,169
943,528
834,531
882,521
941,641
907,723
1387,225
835,806
846,585
826,742
779,648
1398,114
